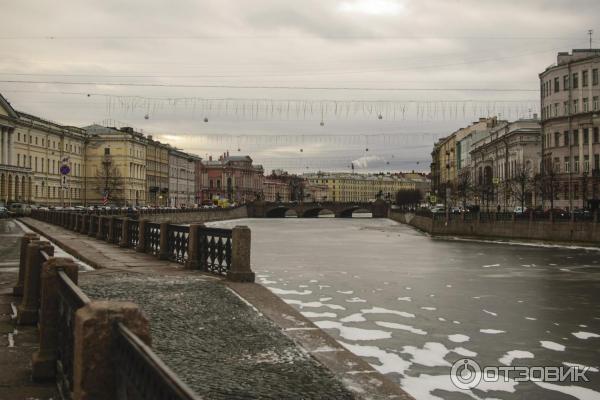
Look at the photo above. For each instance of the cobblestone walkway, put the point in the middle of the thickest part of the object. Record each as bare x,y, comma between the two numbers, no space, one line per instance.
218,344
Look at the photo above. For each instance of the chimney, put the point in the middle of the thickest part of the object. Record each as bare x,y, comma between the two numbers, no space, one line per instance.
209,158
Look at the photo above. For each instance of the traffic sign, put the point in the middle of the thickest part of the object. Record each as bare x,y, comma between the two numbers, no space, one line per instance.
65,169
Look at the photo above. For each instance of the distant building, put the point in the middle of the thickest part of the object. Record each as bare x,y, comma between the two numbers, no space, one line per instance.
294,182
32,152
229,177
115,167
352,187
450,155
276,190
505,164
182,178
314,192
570,101
157,172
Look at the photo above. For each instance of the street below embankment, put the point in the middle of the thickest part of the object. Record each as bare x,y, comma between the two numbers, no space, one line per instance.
412,304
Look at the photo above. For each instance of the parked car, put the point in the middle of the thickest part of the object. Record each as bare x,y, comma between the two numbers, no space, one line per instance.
4,213
557,213
19,209
520,210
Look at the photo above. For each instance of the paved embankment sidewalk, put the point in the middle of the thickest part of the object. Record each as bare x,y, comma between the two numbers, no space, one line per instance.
220,342
17,344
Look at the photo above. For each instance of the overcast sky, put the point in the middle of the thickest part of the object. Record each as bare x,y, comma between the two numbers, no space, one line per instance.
438,64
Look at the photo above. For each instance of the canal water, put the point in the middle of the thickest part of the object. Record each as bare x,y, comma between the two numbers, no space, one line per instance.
412,305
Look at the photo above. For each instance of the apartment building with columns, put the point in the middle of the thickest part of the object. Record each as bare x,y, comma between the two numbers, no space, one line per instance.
32,152
570,104
182,178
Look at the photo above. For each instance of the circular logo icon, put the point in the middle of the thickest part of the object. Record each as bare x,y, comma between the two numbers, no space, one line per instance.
465,374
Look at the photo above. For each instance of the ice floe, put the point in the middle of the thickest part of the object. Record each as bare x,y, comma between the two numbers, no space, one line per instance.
431,355
380,310
552,345
491,331
578,392
458,338
388,362
313,304
580,366
490,313
357,317
310,314
429,308
508,358
585,335
284,291
405,298
402,327
356,334
490,265
356,300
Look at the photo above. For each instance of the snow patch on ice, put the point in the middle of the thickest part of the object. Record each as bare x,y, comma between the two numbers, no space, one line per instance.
431,355
585,335
405,298
508,358
552,345
578,392
310,314
490,313
402,327
491,331
458,338
380,310
350,333
388,362
284,291
356,300
358,317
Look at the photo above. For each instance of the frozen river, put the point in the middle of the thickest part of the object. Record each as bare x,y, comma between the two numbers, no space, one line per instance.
412,305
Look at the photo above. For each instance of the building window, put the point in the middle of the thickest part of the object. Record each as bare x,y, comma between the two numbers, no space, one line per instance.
596,104
567,165
576,164
18,160
18,136
556,85
556,139
586,136
566,82
575,106
575,137
596,134
36,140
595,77
584,78
556,109
597,162
575,80
586,163
586,104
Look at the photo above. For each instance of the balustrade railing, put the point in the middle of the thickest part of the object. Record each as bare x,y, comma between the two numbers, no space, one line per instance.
177,242
152,238
133,231
141,374
70,299
214,250
98,353
118,230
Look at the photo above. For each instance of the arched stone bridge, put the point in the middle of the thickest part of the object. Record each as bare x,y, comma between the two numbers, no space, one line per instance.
259,209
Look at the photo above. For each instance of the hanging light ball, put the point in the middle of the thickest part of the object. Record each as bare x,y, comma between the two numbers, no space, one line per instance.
388,163
239,149
367,149
146,116
88,95
205,119
301,150
322,123
380,116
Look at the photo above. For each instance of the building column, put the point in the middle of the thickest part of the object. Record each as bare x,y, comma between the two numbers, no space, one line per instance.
2,145
9,146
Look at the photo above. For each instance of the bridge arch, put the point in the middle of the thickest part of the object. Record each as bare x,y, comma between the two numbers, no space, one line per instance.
315,212
348,212
277,212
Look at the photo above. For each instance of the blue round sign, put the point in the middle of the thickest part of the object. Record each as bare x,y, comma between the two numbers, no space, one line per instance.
64,169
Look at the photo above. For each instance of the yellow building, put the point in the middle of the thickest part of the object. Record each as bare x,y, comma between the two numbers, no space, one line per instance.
115,166
32,152
347,187
157,172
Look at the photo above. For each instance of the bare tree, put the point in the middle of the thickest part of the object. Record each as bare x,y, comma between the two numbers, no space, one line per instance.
521,184
546,185
109,182
465,187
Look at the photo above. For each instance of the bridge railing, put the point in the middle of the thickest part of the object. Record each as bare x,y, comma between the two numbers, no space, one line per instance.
225,252
91,349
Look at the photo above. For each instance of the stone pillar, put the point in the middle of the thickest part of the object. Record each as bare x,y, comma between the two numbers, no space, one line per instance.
164,241
100,231
111,230
91,231
240,270
193,261
124,233
596,216
85,220
44,360
77,222
9,151
1,145
25,240
28,309
94,373
141,246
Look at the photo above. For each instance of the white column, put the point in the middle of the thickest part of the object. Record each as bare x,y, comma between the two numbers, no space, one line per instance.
5,147
9,147
1,145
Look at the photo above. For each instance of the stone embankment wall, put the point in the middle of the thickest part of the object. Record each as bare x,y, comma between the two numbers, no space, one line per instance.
195,217
586,232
